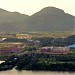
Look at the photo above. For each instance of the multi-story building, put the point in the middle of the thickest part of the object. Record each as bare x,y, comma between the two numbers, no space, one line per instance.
54,50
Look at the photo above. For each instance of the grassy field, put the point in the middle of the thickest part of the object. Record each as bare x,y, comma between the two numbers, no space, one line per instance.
52,34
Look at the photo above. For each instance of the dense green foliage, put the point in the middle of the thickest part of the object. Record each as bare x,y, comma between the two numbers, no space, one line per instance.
9,64
48,41
30,48
15,40
40,62
71,39
47,62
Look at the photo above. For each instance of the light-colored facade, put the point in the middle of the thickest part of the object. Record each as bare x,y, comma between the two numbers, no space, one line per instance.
22,36
54,50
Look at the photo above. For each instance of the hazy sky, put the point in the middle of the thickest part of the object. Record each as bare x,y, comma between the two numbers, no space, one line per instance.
31,6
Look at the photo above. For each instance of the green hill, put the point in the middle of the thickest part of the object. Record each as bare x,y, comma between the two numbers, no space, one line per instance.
47,19
9,20
50,19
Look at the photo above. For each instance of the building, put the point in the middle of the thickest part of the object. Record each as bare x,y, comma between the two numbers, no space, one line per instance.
10,51
54,50
22,36
1,39
71,46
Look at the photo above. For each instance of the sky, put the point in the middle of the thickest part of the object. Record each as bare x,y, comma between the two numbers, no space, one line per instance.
30,7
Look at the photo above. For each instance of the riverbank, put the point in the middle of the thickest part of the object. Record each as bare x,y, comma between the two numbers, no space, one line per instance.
24,72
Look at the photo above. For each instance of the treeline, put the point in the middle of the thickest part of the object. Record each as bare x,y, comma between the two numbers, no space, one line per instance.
15,40
40,62
48,41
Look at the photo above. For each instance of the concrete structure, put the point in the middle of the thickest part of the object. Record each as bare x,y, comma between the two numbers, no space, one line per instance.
54,50
1,39
22,36
71,46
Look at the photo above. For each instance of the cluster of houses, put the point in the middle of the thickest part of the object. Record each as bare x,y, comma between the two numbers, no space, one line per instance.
57,50
23,36
44,50
18,36
33,42
10,48
10,51
54,50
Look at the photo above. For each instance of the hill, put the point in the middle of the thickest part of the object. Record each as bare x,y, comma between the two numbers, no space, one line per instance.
9,20
50,19
47,19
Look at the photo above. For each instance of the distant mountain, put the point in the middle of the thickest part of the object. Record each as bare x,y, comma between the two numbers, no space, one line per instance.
9,20
47,19
50,19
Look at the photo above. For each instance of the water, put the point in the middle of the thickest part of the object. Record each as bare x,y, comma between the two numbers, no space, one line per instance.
15,72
